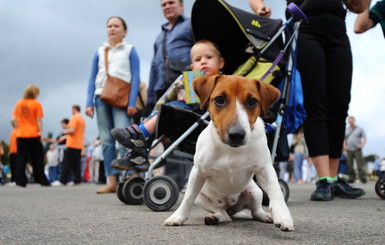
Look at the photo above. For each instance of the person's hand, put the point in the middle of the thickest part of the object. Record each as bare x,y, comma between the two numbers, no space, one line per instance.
264,11
131,111
90,111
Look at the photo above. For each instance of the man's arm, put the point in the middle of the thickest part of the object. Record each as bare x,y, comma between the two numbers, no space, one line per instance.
363,22
259,7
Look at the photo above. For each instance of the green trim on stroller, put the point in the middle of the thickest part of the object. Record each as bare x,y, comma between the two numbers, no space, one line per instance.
260,68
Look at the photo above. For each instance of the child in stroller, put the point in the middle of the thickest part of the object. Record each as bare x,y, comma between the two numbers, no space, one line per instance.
205,56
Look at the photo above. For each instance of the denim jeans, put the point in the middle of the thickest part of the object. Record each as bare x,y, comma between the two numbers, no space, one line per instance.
298,162
53,173
109,117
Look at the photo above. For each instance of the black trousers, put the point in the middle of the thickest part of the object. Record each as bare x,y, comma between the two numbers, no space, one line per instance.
12,165
30,150
71,162
325,64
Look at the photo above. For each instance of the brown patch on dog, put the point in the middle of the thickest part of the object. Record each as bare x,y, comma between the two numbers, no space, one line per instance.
231,88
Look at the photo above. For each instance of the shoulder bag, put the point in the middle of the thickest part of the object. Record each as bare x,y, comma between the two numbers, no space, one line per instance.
116,91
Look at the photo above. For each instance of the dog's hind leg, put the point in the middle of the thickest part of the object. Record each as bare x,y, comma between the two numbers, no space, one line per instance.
218,215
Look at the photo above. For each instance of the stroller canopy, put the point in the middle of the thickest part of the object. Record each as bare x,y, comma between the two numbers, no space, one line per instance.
234,30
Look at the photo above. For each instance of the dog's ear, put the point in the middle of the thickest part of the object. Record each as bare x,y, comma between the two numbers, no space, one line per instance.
203,86
269,94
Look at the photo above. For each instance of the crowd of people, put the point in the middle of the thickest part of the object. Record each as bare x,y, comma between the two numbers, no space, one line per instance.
324,62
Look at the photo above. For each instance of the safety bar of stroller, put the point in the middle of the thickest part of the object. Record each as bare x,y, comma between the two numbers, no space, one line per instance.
163,156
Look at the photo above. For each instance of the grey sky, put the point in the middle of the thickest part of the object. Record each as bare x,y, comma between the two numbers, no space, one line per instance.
51,43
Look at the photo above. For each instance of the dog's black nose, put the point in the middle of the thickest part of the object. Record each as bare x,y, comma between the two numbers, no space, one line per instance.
236,136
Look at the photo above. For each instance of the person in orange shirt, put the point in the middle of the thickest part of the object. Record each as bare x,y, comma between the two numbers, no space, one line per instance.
75,143
13,152
27,116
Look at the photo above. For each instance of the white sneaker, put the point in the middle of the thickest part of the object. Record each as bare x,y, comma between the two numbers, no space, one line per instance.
56,183
10,184
71,183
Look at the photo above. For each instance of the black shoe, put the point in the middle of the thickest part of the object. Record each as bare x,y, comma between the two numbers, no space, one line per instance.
323,191
132,161
344,190
130,137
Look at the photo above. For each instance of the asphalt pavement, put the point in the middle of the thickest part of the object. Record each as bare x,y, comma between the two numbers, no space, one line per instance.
77,215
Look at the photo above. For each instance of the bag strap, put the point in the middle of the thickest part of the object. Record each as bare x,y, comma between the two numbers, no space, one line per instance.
350,133
164,49
106,59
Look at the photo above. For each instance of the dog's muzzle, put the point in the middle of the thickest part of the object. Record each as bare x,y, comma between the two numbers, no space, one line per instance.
236,136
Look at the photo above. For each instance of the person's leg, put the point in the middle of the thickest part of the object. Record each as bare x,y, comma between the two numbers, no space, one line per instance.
21,163
350,165
91,169
76,165
361,166
96,171
55,173
37,160
339,58
13,162
105,120
66,167
297,167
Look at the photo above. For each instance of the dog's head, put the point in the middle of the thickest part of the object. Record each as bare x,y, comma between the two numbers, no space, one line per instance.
234,104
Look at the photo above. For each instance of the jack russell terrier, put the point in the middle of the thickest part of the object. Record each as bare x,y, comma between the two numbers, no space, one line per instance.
230,151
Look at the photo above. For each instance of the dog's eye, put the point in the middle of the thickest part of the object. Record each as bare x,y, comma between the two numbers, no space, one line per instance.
220,101
251,102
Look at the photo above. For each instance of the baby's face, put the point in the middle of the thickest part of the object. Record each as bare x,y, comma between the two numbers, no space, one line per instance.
205,58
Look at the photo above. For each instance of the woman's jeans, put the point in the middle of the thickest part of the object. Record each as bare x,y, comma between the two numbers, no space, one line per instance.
109,117
298,162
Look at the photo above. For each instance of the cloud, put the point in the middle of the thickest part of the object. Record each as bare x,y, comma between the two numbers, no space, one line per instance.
51,44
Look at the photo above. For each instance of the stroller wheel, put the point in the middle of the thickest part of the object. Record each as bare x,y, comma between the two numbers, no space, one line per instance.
285,191
132,191
380,188
160,193
119,192
296,12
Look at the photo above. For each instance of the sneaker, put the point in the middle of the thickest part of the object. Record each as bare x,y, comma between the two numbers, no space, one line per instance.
132,161
323,191
57,183
130,137
344,190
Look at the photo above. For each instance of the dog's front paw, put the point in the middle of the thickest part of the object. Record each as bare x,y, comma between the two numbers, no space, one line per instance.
174,220
282,218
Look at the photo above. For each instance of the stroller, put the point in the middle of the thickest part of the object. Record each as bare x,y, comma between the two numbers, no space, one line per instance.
253,47
380,186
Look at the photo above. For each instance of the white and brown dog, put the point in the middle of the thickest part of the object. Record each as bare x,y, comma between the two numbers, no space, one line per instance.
230,151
